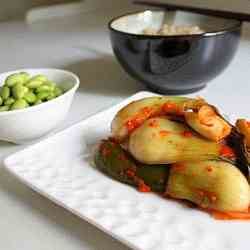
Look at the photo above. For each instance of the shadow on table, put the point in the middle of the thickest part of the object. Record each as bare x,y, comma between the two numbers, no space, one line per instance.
103,75
53,214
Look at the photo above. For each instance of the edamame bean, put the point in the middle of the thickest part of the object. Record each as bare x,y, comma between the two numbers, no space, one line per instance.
18,90
21,77
9,101
58,91
5,92
51,84
1,100
42,95
19,104
30,97
38,102
50,96
44,88
4,108
40,78
32,84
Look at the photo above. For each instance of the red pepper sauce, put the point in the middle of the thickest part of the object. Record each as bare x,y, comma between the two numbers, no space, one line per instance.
209,169
226,151
153,124
130,172
171,108
187,134
179,167
142,187
105,151
229,215
122,157
139,118
164,133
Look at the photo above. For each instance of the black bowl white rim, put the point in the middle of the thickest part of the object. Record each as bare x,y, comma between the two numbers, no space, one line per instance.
237,25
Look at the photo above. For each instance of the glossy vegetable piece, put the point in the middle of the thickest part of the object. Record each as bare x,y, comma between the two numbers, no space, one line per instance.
161,141
111,159
208,123
210,184
134,114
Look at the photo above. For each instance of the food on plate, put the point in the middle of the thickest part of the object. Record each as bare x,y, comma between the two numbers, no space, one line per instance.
162,141
208,123
173,30
213,184
181,148
113,160
20,91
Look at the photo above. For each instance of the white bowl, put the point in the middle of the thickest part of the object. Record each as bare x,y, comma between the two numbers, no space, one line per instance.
24,125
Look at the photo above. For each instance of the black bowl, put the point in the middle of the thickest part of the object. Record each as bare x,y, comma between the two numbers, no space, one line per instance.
174,64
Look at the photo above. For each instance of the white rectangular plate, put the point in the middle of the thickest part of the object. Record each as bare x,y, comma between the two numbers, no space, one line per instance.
61,169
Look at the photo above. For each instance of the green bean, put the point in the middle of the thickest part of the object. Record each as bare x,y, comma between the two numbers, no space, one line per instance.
4,108
58,91
21,77
9,101
19,104
30,97
37,102
42,95
5,92
18,90
32,84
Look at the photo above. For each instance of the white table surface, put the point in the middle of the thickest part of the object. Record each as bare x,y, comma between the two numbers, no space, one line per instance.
81,44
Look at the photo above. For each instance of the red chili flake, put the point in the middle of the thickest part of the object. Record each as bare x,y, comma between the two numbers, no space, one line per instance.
164,133
146,110
213,198
169,107
153,124
130,172
132,124
105,151
226,151
180,167
209,168
142,187
187,134
138,119
201,193
122,157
